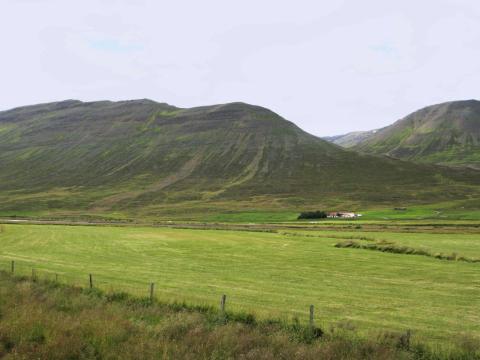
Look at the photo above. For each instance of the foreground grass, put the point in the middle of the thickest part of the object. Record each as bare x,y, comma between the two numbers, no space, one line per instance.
268,274
45,320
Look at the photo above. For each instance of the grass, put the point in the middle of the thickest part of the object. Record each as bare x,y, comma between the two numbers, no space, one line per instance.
466,244
45,320
254,216
235,213
266,274
390,247
442,211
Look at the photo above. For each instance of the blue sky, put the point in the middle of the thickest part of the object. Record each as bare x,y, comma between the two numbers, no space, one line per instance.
330,66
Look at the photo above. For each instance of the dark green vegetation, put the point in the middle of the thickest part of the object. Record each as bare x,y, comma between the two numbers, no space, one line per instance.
45,320
447,133
388,246
312,215
146,159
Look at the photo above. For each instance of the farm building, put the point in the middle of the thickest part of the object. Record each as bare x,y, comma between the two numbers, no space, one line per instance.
342,214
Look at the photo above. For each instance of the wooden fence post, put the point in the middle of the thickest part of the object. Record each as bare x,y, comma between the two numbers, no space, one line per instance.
91,280
13,266
406,339
152,286
222,303
311,316
56,277
34,275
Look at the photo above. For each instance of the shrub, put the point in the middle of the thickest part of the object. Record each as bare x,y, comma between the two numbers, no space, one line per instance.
312,215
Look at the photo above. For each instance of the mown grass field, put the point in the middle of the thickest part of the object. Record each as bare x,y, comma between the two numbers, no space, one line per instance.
271,274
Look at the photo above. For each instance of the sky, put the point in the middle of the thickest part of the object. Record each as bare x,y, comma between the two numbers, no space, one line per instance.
331,67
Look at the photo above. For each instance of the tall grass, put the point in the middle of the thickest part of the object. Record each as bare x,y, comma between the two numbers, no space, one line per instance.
45,320
391,247
330,236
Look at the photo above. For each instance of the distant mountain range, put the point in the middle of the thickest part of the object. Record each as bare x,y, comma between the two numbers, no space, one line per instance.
447,134
145,157
350,139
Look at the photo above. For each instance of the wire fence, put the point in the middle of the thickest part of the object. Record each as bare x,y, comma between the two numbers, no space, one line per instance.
35,270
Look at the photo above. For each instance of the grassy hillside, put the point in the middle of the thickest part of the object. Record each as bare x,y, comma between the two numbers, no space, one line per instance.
271,274
142,158
447,133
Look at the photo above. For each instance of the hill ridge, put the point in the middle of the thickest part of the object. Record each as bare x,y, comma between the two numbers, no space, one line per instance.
149,157
447,133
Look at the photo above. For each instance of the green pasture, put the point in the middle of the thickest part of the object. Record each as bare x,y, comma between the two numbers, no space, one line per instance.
419,213
269,274
441,212
254,216
237,212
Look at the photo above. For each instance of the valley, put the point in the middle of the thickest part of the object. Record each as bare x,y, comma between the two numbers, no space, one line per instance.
243,180
151,204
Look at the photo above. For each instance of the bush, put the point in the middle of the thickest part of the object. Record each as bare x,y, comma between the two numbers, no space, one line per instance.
312,215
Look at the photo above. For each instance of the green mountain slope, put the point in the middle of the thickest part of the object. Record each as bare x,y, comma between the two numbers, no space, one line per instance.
143,157
447,133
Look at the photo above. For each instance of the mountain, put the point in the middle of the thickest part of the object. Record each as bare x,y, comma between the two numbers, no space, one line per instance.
447,133
141,158
350,139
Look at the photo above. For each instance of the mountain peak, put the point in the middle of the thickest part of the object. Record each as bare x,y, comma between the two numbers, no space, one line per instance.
446,133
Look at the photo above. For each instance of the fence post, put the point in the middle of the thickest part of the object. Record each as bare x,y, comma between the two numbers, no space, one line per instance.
222,303
13,266
34,276
152,287
406,340
91,280
311,316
